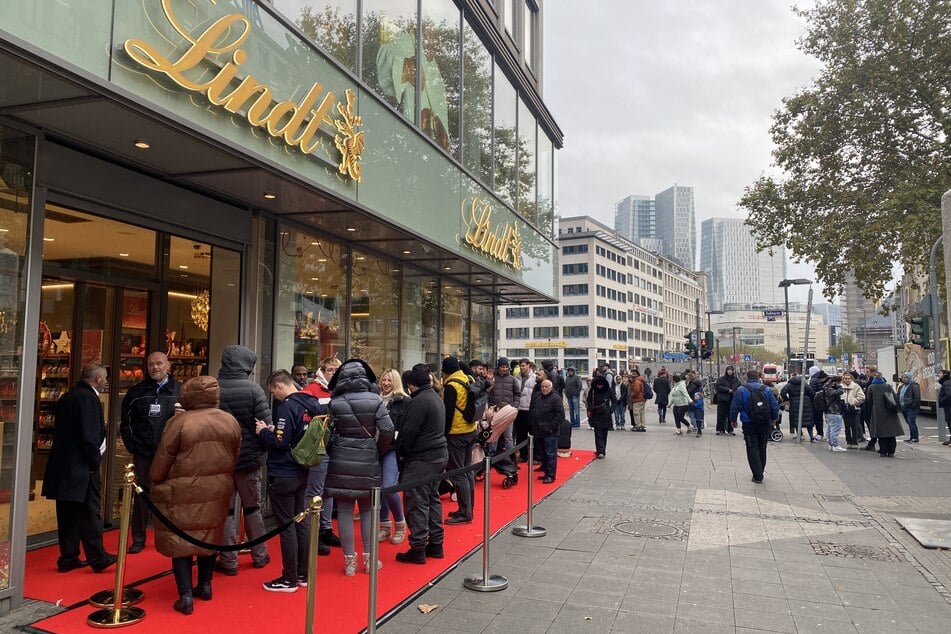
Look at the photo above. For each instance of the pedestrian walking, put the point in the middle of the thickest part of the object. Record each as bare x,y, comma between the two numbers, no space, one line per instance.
637,400
680,401
600,402
621,387
662,394
757,409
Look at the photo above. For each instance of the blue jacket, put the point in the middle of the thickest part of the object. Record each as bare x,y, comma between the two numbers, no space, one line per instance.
741,402
288,430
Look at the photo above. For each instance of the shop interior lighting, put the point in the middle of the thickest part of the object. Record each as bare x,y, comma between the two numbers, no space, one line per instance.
351,229
406,252
4,231
270,195
49,239
142,144
183,266
182,295
447,268
321,259
315,279
123,255
315,243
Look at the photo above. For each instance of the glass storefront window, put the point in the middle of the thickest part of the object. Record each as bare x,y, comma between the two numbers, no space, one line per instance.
16,191
505,126
188,307
477,105
389,52
375,312
526,163
545,182
482,328
455,321
330,23
418,340
441,88
311,298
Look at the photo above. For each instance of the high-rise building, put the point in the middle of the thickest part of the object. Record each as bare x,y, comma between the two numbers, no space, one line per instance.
674,210
635,218
736,272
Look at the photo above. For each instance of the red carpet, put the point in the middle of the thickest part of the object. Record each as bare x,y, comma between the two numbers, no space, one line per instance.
241,605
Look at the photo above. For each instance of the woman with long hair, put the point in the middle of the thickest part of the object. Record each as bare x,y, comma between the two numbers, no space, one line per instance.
395,399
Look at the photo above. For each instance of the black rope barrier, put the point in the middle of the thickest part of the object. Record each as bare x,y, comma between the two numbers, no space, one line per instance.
218,547
447,475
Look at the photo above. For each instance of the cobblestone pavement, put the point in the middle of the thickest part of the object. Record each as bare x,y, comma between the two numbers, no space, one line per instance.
668,534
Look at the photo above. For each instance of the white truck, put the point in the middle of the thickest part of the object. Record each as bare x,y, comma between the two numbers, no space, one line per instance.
893,361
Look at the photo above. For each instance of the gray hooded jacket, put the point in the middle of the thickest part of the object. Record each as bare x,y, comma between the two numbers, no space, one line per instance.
246,401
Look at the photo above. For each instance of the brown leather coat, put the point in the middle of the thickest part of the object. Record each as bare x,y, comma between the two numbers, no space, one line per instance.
192,470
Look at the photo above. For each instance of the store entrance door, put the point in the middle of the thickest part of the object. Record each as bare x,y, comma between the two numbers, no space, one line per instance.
81,323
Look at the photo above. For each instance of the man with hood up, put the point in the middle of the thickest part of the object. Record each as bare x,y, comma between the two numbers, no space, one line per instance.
725,387
246,401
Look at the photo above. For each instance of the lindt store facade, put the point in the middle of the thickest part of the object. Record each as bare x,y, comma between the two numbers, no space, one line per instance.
182,175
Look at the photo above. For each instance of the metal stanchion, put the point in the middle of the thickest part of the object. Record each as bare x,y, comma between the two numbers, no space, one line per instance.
376,501
529,530
486,583
117,604
316,504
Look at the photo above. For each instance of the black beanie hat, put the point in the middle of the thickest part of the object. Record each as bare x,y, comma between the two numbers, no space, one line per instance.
450,365
502,361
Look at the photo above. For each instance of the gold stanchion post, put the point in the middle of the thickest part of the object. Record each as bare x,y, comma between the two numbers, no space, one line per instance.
117,609
316,504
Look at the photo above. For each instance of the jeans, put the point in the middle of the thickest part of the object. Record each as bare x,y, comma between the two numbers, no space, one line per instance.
315,486
287,500
756,437
550,463
698,421
619,416
247,489
662,412
345,523
574,410
911,417
391,476
833,427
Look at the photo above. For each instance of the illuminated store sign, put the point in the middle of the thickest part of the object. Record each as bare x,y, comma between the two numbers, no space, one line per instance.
296,123
502,243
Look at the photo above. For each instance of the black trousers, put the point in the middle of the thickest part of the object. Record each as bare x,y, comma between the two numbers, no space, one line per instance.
723,416
422,505
887,446
523,425
287,500
460,454
182,571
601,430
140,512
756,438
81,523
852,420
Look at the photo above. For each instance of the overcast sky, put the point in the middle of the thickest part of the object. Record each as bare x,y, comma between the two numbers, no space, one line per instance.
650,94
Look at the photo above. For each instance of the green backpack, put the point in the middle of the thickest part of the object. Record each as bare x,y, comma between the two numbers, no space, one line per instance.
311,449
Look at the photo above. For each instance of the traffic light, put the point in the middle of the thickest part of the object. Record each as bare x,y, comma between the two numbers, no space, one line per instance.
691,346
921,331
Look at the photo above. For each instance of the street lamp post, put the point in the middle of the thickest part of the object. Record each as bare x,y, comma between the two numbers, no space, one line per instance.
710,344
785,284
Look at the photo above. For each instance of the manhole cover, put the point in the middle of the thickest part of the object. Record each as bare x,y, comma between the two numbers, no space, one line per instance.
857,551
644,528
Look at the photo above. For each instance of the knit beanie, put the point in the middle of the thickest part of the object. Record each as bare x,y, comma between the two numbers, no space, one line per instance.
450,365
502,361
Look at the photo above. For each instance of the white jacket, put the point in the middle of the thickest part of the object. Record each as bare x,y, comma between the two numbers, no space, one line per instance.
525,398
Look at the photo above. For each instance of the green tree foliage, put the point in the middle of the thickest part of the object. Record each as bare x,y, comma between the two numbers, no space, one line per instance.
864,151
845,345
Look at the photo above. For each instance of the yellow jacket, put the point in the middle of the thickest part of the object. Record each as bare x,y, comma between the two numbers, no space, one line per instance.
454,408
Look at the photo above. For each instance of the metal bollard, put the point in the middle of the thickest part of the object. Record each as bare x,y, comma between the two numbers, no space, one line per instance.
316,504
529,530
117,604
486,583
376,501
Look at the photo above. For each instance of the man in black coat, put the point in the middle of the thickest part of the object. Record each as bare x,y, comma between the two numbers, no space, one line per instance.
422,453
72,473
246,401
725,386
145,409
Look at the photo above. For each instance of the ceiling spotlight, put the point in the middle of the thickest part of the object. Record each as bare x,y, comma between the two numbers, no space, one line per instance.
360,257
315,279
351,229
315,243
270,196
406,252
142,144
123,255
48,239
447,268
321,259
183,266
4,231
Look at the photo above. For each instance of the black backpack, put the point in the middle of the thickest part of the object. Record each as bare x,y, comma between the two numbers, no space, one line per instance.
819,402
758,408
472,395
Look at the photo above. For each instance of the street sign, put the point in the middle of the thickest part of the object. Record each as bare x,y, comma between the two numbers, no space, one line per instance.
772,313
748,358
832,359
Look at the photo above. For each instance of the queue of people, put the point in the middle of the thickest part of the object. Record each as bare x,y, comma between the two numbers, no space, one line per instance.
202,450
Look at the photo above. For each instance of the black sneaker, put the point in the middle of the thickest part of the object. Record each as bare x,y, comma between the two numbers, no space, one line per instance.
327,536
302,581
459,519
280,585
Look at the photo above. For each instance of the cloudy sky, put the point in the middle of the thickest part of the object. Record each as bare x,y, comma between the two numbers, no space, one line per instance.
650,94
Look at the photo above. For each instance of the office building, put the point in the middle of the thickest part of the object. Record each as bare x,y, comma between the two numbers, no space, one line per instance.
736,272
676,225
635,219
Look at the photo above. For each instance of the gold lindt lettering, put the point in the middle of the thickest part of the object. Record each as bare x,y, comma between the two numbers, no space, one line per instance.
297,123
503,243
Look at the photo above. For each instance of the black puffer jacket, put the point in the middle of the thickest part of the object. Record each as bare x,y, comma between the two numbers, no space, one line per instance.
423,436
727,385
791,393
246,401
363,432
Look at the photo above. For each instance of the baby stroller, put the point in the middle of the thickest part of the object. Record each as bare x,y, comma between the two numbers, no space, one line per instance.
776,433
490,430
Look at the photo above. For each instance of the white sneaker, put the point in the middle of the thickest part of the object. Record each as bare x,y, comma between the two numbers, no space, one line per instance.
819,437
677,433
839,449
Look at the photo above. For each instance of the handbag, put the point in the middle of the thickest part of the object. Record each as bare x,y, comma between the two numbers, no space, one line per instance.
890,403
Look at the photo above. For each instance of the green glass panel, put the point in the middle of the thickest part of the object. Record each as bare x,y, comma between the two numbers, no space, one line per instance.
75,30
330,23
